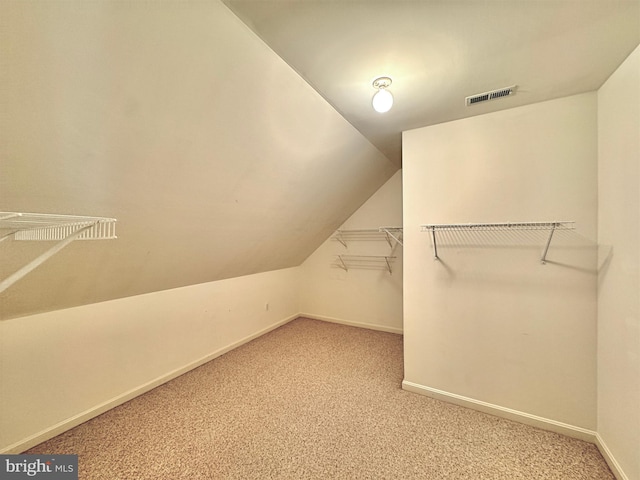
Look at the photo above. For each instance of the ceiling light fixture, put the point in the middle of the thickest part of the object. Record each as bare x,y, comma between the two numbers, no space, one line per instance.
382,100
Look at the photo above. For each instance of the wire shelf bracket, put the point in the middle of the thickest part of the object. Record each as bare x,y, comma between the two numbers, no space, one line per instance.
393,232
62,229
550,226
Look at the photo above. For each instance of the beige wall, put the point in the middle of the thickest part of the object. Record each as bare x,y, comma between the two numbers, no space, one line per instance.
488,324
217,159
619,278
364,296
60,368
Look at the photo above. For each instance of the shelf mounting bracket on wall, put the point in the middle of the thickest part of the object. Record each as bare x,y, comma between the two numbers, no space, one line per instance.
393,232
62,229
551,226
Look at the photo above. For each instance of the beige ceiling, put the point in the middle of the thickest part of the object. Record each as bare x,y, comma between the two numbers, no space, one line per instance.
438,52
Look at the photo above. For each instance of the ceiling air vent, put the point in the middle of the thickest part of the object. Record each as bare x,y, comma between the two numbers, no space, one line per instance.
492,95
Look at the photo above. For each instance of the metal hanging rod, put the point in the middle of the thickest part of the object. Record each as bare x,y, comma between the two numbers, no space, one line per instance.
496,227
62,229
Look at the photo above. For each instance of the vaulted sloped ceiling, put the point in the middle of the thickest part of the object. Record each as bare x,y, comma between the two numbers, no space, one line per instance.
440,51
217,159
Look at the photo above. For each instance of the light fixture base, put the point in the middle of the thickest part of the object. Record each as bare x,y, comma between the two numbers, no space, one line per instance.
381,82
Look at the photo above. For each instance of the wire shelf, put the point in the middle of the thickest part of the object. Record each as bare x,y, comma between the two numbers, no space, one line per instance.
551,227
564,225
365,261
52,227
390,234
61,229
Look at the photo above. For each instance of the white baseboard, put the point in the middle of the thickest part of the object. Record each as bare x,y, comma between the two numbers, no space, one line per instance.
540,422
370,326
498,411
76,420
610,459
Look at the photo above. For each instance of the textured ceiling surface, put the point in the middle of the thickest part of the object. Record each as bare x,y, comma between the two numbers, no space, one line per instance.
439,52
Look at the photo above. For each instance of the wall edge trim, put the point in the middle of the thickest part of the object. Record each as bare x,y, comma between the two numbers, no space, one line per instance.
370,326
615,467
503,412
69,423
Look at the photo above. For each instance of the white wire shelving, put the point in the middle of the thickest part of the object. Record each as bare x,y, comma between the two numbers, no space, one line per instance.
62,229
551,227
392,235
365,261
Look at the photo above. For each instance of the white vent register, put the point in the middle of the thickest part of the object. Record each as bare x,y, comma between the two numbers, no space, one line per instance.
492,95
62,229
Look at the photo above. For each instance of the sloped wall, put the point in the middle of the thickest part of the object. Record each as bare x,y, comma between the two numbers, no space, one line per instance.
366,295
61,368
619,261
487,324
216,158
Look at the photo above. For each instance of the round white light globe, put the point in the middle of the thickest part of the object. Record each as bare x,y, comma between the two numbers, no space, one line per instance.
382,101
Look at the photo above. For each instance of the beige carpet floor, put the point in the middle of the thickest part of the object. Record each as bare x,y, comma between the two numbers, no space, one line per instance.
313,400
